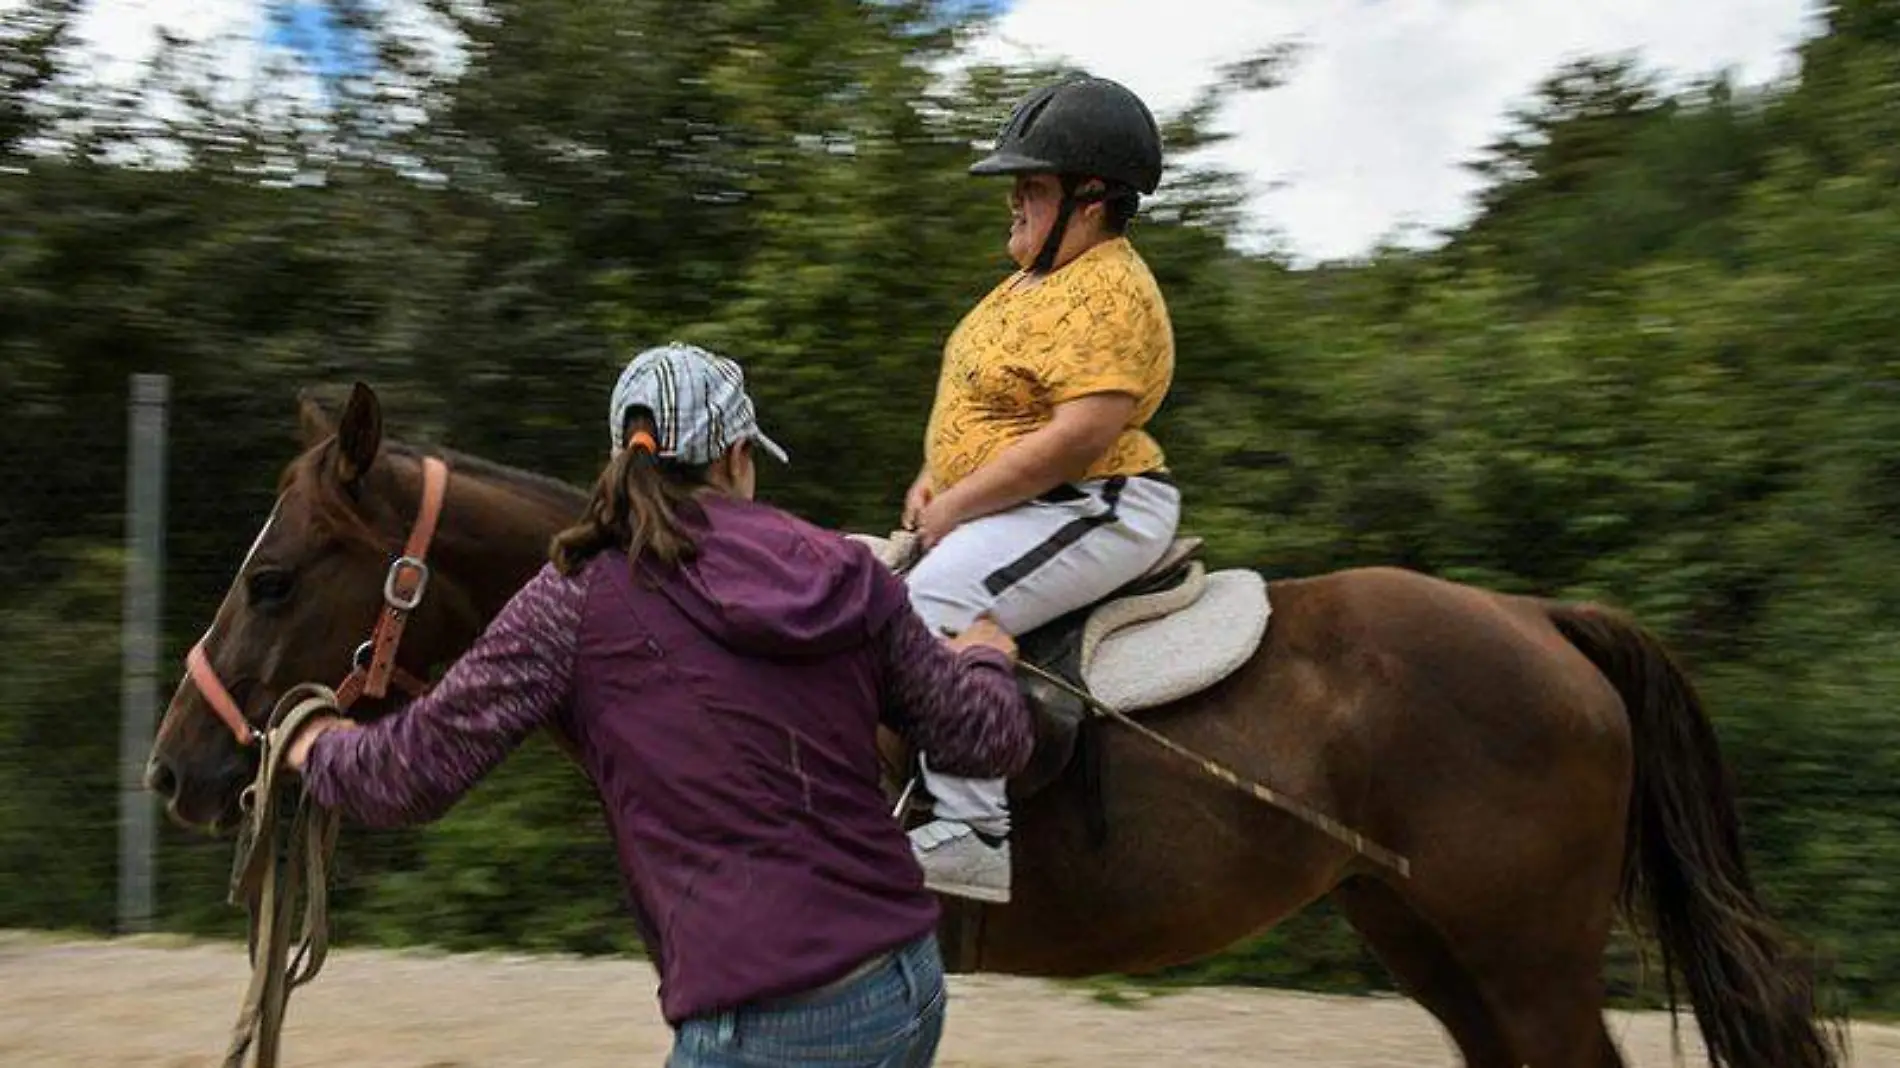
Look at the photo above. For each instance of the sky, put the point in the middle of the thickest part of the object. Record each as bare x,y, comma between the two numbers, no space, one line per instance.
1363,142
311,30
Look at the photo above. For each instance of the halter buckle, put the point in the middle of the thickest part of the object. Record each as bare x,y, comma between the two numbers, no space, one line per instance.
405,565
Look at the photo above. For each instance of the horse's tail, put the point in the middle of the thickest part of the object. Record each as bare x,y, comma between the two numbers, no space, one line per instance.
1684,870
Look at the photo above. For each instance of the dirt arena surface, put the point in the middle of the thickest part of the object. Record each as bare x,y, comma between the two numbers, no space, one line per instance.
153,1003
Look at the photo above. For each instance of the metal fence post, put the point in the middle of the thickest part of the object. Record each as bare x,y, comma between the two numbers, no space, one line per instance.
144,567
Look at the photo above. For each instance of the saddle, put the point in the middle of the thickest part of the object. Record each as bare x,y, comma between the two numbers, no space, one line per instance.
1172,631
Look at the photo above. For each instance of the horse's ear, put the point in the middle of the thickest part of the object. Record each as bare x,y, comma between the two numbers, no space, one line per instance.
359,434
314,425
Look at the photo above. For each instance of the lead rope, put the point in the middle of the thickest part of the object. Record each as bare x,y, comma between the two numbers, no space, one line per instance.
1327,825
281,852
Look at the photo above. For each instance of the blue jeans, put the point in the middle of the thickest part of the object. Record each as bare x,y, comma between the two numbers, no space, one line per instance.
890,1017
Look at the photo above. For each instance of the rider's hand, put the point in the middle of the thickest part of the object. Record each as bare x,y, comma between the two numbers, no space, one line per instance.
986,632
917,500
939,518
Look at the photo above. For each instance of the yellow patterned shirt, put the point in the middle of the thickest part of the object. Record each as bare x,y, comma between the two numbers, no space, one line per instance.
1097,325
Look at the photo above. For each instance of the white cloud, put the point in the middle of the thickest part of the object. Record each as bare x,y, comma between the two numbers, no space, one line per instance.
1388,96
121,34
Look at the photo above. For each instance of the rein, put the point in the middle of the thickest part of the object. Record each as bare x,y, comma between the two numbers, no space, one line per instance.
1325,824
286,841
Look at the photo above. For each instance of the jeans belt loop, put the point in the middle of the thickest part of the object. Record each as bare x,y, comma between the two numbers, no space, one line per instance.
907,971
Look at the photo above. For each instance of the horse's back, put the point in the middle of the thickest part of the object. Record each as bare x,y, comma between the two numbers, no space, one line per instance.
1444,692
1479,645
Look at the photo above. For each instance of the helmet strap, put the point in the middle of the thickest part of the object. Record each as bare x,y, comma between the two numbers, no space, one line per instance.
1046,259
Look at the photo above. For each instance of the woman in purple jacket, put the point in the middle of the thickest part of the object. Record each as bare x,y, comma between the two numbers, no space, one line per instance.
722,667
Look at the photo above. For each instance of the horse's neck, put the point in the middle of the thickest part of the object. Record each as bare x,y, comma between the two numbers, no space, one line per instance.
493,538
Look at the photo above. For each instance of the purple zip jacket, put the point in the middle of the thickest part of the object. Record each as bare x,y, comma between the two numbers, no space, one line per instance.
726,712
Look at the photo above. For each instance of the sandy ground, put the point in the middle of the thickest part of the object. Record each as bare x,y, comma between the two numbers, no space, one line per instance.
161,1004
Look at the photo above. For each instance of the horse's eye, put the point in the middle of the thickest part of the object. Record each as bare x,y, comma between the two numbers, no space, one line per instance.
269,586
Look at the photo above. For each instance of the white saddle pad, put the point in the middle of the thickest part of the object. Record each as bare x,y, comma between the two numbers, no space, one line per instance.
1167,658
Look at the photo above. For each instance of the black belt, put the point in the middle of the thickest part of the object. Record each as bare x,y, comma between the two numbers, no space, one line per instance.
1065,492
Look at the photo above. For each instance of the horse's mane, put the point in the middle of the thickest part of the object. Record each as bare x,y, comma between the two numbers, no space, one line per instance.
333,508
545,489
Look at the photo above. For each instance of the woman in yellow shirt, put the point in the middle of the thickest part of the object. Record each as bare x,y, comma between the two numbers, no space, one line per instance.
1041,491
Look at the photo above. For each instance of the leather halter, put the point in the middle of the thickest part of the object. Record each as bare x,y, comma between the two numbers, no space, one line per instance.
373,665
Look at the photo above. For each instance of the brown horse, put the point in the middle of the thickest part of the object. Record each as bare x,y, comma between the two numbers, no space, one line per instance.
1544,766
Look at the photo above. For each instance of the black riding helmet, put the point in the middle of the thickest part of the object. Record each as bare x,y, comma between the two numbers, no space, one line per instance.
1079,129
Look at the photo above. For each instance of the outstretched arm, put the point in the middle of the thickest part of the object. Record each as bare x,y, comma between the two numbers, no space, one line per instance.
413,765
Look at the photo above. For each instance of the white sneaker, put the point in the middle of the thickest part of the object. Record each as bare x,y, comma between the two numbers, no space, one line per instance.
957,862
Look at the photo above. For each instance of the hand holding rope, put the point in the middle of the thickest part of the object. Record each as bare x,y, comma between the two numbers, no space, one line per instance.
284,849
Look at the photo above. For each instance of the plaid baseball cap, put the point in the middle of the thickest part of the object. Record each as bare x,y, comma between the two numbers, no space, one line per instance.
698,400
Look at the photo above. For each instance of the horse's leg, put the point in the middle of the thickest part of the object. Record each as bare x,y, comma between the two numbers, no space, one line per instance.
1550,1007
1527,924
1527,910
1426,971
1512,965
1557,1022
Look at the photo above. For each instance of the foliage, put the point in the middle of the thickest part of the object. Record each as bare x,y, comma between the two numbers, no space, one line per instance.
1657,369
55,823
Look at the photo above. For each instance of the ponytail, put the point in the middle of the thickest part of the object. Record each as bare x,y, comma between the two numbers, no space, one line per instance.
637,507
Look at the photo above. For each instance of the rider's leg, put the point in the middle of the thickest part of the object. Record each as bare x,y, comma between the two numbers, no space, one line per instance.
1024,567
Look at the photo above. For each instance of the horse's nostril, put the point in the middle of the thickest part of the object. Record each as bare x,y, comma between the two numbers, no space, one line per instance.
160,780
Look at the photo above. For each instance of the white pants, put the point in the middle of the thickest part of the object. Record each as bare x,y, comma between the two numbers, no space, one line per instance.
1027,566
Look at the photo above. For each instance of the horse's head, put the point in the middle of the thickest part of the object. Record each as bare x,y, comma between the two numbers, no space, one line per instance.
307,596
